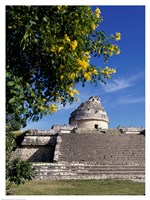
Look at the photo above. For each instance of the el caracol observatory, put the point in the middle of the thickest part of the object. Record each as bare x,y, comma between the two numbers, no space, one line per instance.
90,114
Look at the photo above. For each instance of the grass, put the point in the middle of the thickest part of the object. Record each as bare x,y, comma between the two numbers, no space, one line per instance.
80,187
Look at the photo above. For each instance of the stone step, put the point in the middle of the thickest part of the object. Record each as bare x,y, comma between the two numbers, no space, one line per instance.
102,176
75,175
90,170
75,164
76,170
88,177
87,167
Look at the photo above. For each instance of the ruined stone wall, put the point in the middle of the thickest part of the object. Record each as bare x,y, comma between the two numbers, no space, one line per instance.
35,154
64,127
37,146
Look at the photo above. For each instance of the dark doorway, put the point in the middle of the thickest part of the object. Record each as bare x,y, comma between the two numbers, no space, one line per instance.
96,126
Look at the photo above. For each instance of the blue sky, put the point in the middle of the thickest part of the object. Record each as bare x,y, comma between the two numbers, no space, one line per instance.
124,97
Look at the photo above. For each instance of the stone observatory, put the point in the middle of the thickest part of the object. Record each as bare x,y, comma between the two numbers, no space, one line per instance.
90,114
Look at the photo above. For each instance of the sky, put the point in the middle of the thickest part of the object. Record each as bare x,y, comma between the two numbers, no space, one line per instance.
124,96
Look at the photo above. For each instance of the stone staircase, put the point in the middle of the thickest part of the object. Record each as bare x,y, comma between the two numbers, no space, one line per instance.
96,156
76,170
114,148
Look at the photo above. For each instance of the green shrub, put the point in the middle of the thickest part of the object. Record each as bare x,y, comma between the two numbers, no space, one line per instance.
18,171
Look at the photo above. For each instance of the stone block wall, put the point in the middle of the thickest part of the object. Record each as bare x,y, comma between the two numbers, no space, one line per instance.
92,124
104,148
35,154
37,146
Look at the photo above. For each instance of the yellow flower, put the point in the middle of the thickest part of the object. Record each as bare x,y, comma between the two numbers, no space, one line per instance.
110,53
60,48
112,47
59,7
113,71
86,54
83,64
118,36
72,75
67,38
117,52
76,91
107,71
93,26
94,48
97,12
99,51
62,77
87,76
53,107
44,100
95,72
74,44
72,92
53,49
42,108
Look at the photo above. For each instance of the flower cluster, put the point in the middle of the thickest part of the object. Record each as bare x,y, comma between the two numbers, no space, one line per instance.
97,12
72,92
93,26
66,38
72,76
82,64
57,49
107,71
53,108
87,76
79,67
74,44
112,49
118,36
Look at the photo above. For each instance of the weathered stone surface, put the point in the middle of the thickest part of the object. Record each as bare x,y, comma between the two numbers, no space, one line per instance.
35,132
35,154
90,114
131,130
39,140
57,149
37,146
84,170
107,148
63,127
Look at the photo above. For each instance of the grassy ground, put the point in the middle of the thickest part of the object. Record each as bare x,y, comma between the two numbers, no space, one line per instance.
80,187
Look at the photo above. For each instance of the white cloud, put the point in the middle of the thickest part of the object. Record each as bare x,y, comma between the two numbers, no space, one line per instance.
118,84
131,99
122,83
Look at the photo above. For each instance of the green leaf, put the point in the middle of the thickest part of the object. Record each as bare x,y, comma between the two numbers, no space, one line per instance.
10,83
12,100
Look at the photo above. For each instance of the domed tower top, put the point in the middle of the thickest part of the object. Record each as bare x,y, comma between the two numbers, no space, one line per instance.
90,114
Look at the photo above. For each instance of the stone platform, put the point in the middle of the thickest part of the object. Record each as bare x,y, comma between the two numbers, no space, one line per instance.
95,154
76,170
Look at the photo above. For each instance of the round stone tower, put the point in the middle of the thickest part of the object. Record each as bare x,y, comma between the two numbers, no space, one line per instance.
90,114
